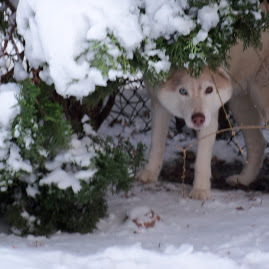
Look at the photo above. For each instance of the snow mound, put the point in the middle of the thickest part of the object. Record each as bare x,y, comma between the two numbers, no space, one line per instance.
62,179
131,257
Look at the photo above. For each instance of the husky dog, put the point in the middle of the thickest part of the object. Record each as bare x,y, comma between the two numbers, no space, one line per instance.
197,102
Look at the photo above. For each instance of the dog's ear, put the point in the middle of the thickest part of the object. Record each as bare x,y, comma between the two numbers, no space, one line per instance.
223,83
222,73
222,79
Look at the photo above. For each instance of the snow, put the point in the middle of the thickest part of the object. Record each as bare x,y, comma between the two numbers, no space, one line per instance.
257,15
16,162
8,111
19,72
32,192
130,257
8,100
62,179
208,17
201,36
162,18
228,231
81,153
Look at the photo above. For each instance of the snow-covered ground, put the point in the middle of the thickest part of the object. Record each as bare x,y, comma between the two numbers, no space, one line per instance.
228,231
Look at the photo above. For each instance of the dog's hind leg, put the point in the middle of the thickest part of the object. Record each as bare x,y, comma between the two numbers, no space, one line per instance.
206,139
246,114
160,122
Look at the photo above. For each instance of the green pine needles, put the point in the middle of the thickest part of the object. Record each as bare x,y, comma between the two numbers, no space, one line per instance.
41,129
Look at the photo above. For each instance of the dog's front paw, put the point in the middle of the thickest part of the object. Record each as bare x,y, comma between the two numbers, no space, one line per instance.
147,176
199,194
238,180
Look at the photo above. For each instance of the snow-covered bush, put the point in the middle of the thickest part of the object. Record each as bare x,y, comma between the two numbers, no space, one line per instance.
83,44
54,172
51,179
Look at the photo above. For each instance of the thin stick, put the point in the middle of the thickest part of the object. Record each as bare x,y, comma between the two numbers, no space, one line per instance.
183,173
223,131
227,117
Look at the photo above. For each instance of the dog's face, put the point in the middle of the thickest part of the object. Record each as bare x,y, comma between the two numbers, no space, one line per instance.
195,99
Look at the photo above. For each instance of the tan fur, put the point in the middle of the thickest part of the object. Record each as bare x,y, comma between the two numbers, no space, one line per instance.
249,70
250,103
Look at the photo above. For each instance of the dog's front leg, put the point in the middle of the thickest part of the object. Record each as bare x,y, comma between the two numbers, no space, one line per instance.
206,139
160,122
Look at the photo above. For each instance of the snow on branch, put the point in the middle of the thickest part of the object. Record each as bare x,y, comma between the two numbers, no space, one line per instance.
85,43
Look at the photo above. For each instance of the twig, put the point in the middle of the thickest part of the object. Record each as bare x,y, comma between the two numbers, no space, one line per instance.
183,173
227,117
223,131
41,110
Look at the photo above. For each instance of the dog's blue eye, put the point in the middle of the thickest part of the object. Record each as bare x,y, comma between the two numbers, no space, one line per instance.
182,91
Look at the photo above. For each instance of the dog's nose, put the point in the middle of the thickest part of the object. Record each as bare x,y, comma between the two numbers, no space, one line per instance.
198,119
